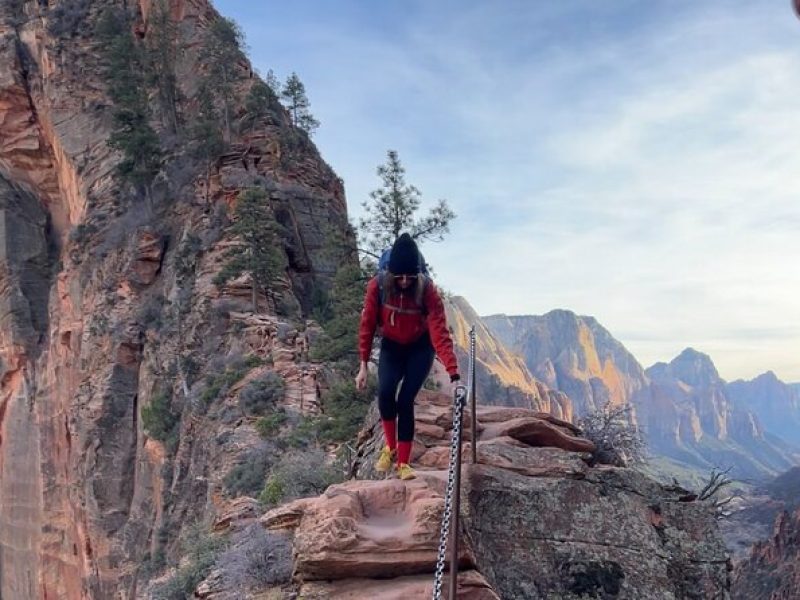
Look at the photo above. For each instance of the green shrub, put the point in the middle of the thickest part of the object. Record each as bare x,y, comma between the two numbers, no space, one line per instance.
298,474
304,434
431,384
262,394
67,18
274,490
218,383
270,425
202,549
186,257
247,478
344,409
159,421
252,361
151,312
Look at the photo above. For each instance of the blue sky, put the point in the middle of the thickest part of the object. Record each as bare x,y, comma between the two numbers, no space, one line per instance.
634,161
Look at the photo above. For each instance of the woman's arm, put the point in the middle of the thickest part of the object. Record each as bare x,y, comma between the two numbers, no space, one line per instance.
369,321
440,334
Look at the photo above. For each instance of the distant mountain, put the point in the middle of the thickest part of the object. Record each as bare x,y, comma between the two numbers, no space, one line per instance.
501,376
691,417
689,413
573,354
786,488
777,404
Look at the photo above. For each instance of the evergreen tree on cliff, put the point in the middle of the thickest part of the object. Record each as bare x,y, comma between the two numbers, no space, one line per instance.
131,134
220,54
258,106
260,251
294,94
162,53
272,82
392,207
207,143
339,310
392,210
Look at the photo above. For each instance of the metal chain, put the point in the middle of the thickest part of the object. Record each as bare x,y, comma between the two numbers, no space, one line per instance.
459,400
471,377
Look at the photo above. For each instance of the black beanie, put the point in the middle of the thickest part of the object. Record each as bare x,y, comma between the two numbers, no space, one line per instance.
404,259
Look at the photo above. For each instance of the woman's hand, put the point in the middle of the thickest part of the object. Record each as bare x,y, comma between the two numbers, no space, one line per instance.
455,381
361,378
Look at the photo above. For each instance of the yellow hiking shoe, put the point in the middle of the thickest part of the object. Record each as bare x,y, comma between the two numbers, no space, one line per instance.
385,460
405,472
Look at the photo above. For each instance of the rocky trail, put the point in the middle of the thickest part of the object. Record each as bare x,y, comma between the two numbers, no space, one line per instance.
536,522
378,538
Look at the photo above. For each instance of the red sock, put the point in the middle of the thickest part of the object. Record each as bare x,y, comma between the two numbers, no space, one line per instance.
403,452
389,428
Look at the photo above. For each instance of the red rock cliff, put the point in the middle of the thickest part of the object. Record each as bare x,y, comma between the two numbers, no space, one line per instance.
103,306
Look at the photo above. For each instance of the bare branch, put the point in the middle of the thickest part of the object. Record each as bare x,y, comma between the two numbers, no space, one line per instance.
716,481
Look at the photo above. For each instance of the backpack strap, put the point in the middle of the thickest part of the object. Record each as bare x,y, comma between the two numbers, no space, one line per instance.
419,309
406,311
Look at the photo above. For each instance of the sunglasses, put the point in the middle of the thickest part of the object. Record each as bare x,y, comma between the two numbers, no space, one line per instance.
401,277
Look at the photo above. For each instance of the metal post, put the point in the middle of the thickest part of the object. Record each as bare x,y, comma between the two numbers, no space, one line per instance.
461,396
472,395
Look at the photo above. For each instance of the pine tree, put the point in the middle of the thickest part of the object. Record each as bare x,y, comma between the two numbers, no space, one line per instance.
221,53
392,209
340,342
339,309
294,93
272,82
260,251
257,106
162,51
131,132
207,141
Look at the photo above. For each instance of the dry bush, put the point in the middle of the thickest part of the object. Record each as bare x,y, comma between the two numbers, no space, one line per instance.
256,559
619,442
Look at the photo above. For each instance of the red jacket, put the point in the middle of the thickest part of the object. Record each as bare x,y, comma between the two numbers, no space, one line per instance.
406,327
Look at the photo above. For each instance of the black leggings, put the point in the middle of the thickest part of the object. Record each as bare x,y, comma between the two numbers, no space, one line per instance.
410,363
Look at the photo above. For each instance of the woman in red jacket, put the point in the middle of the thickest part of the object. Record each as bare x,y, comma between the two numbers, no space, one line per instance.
409,310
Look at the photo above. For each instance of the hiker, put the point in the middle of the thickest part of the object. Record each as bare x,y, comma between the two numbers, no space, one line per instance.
408,308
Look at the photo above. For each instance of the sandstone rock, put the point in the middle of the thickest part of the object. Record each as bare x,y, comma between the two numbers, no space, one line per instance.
772,570
471,586
537,522
429,432
533,462
24,269
591,537
237,513
366,529
84,490
213,587
537,432
146,261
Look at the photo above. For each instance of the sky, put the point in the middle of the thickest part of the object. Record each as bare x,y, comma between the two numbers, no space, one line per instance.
638,162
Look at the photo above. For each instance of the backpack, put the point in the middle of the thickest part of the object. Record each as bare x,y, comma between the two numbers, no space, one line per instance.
383,266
